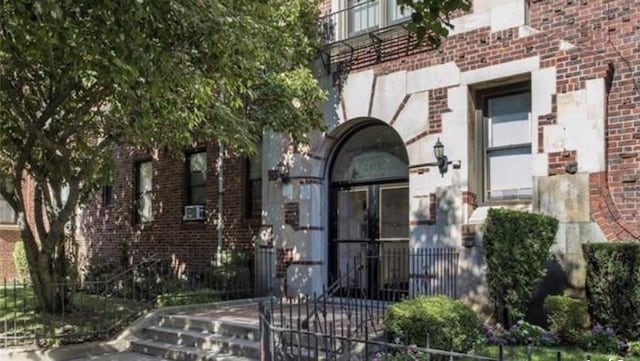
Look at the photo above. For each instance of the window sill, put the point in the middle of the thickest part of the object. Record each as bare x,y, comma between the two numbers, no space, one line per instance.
479,215
9,227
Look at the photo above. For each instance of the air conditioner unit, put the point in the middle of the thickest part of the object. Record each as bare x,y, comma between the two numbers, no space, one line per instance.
194,213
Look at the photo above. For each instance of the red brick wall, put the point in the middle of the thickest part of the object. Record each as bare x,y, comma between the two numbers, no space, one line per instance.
190,243
7,242
606,36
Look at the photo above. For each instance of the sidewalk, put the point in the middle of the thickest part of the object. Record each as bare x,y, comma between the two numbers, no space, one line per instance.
120,356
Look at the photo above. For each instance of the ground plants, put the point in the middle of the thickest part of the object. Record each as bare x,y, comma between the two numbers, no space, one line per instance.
438,321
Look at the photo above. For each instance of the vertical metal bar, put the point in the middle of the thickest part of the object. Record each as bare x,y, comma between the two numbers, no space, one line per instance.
15,314
501,353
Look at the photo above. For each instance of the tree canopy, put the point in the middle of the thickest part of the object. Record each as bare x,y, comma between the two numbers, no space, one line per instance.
430,19
80,77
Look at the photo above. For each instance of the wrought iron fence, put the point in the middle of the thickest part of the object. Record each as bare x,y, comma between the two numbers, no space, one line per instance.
99,307
283,337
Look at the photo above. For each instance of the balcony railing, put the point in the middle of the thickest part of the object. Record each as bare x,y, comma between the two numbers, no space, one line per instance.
362,17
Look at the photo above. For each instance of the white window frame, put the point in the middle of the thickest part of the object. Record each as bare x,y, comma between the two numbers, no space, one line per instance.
383,18
144,195
190,171
483,129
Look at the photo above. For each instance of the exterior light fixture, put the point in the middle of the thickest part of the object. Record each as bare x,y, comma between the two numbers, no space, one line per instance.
283,172
442,161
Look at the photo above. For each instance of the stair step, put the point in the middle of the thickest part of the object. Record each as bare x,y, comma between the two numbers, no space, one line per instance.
203,340
185,353
224,327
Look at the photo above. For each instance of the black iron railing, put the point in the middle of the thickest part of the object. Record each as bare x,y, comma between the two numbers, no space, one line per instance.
99,307
360,18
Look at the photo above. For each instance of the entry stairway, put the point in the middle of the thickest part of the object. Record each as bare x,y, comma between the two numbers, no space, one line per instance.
198,338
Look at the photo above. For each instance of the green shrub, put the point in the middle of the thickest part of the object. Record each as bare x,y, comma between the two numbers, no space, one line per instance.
567,317
187,298
634,348
20,259
517,246
613,286
449,324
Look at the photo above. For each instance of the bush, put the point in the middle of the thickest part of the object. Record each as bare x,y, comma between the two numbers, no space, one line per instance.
449,324
613,286
633,348
567,317
517,246
20,259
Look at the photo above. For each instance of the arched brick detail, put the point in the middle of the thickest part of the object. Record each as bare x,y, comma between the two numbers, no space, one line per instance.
605,213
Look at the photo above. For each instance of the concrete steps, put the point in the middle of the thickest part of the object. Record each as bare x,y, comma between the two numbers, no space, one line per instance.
192,338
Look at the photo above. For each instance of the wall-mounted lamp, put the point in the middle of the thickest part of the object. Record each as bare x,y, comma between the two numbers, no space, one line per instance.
442,161
283,172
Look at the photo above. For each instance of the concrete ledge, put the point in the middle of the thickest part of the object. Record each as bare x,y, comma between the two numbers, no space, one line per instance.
121,342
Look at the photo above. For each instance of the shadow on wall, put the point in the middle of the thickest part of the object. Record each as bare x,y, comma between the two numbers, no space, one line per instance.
446,232
557,282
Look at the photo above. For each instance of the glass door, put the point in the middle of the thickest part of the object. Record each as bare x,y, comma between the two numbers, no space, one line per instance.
372,238
393,268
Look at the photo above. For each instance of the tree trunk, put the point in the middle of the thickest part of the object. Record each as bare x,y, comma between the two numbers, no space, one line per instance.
49,281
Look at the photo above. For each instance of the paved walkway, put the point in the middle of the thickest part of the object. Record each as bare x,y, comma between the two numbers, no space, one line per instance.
121,356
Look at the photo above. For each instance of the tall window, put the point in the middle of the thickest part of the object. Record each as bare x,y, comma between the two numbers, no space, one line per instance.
506,147
254,186
144,196
7,215
197,182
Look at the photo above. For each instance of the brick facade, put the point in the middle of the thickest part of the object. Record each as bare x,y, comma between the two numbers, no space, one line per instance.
190,243
582,40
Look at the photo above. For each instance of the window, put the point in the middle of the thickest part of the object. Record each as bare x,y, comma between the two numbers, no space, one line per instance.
7,214
144,192
506,144
107,195
197,178
254,186
368,15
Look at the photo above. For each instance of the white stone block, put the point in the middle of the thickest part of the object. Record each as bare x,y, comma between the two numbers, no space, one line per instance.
508,15
484,5
543,86
421,151
499,71
433,77
414,117
525,30
470,22
540,164
592,155
390,91
565,45
553,137
356,94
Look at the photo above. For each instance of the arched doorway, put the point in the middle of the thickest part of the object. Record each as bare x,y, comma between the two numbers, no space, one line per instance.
369,214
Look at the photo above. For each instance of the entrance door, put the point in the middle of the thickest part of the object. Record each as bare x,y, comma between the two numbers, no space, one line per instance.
369,213
372,240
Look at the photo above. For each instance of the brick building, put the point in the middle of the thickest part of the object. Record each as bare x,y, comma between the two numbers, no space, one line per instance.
167,205
10,234
534,103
